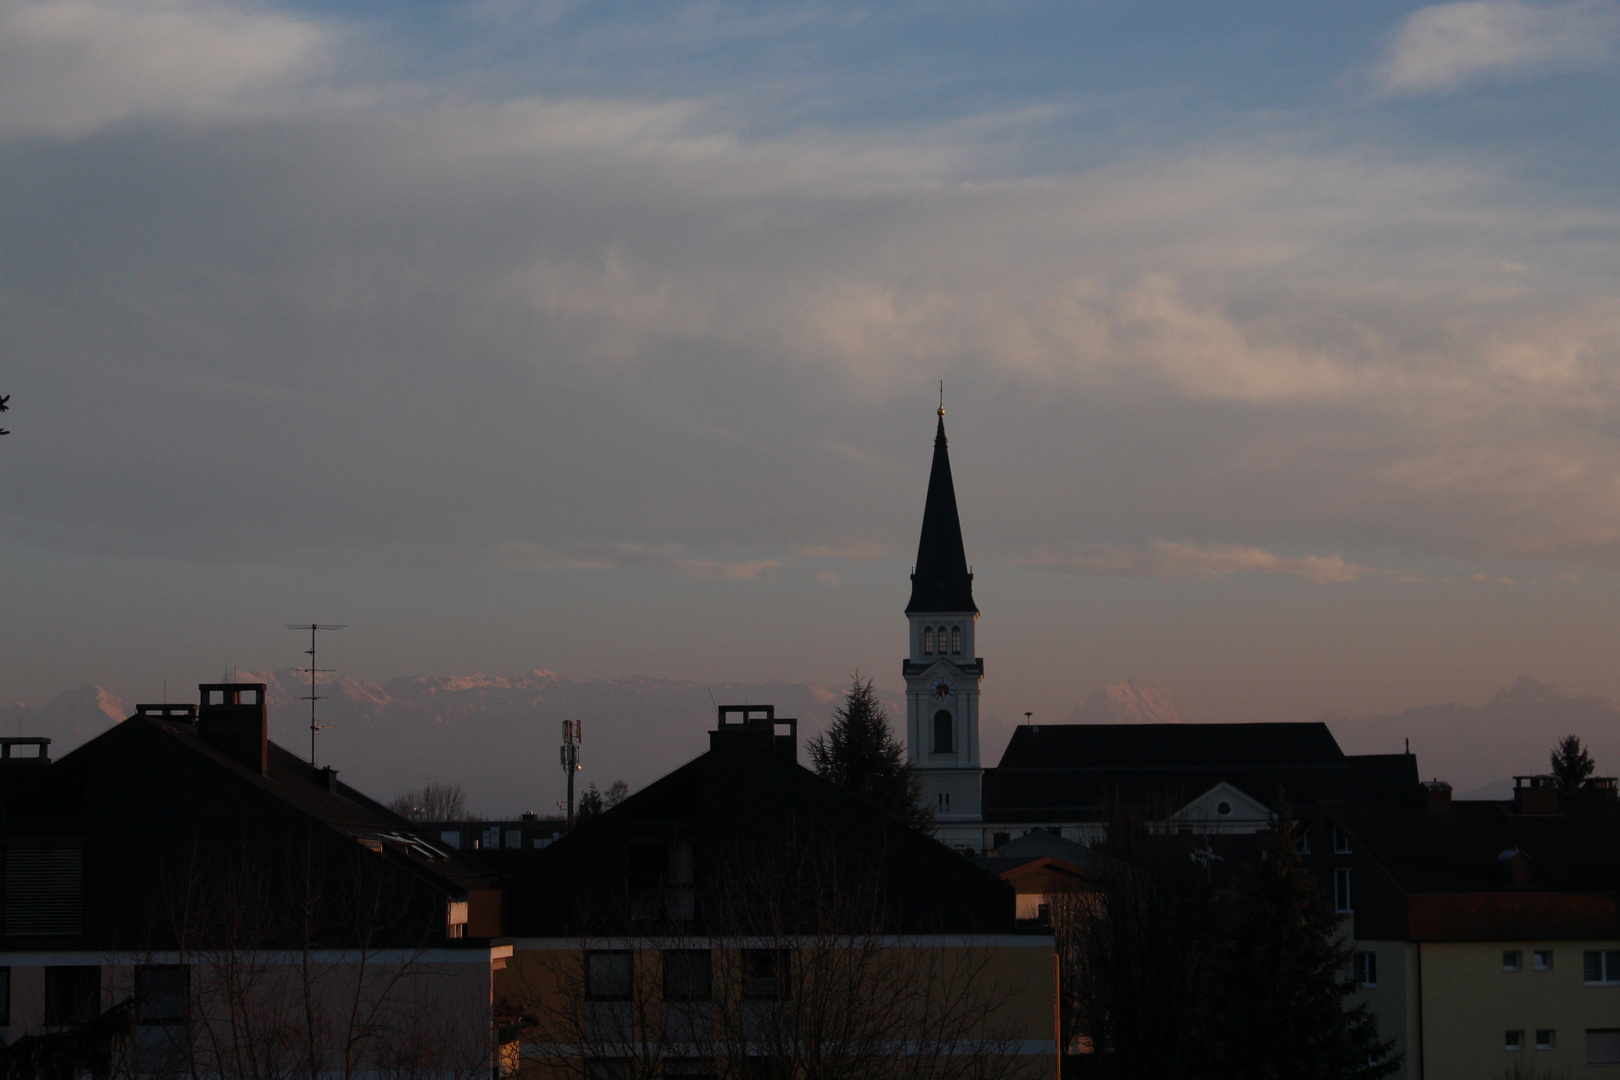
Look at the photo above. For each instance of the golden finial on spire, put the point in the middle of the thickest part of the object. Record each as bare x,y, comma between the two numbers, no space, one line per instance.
942,399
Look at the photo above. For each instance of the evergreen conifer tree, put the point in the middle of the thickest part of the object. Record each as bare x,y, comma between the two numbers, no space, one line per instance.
1277,1001
1571,764
859,753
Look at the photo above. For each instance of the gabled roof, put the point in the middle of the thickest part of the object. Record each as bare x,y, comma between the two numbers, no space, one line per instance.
1458,850
941,582
128,756
1075,771
1171,746
741,806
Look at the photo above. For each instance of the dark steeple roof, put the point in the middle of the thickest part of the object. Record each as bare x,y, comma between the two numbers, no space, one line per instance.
941,581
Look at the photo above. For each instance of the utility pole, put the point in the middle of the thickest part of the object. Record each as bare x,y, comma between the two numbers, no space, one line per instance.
313,671
570,762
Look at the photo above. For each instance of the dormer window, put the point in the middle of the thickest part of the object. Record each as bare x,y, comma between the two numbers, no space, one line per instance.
956,639
928,641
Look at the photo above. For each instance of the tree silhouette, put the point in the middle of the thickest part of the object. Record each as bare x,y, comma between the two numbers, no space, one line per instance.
859,753
1571,763
1276,1001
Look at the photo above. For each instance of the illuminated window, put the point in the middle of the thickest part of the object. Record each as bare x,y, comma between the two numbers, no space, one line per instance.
928,641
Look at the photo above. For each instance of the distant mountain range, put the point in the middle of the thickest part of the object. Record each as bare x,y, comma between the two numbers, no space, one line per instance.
1479,748
497,735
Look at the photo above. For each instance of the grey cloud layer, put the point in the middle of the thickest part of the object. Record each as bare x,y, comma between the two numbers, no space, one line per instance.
608,333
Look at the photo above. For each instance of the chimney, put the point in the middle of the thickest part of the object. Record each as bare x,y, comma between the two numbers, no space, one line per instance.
1535,794
232,718
1437,795
760,723
329,778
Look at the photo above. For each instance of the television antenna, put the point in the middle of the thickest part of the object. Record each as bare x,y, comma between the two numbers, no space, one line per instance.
314,672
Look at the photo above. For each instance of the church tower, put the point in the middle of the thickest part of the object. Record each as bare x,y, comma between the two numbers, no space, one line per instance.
942,674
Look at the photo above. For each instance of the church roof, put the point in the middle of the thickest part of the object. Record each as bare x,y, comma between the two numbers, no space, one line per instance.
1076,771
941,581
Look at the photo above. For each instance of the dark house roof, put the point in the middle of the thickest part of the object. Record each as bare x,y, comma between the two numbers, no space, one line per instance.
1450,874
755,823
940,581
171,823
1077,771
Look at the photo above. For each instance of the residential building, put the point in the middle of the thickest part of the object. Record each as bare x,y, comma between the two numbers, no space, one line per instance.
243,900
1486,934
742,897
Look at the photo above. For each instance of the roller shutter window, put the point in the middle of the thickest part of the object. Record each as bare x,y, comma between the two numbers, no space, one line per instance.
1603,1046
44,892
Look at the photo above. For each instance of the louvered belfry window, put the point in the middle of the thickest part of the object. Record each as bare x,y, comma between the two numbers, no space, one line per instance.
44,892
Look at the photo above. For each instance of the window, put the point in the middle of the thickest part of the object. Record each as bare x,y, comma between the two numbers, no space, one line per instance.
1223,808
1512,960
928,641
1600,968
72,995
5,996
956,639
1043,913
1541,960
1341,842
160,994
765,974
688,975
944,800
1603,1046
1546,1038
943,638
659,874
1365,968
607,975
44,892
944,732
1513,1040
1341,891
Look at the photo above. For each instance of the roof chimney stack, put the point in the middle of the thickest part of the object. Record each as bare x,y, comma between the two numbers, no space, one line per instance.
232,718
1535,794
760,723
1437,794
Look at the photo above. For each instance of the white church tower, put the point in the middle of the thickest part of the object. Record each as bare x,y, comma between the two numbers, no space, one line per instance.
942,674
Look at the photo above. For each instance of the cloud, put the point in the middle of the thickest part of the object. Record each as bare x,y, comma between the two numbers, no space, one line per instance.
70,67
631,556
1172,559
1447,46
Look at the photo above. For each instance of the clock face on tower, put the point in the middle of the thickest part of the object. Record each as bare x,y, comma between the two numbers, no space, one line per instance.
943,690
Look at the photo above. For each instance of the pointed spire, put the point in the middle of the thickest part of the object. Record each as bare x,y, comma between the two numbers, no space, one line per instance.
941,581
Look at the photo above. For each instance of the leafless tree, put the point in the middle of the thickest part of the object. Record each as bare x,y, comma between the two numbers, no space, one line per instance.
800,975
434,801
300,965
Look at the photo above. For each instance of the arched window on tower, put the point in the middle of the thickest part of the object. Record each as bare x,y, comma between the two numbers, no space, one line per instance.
956,639
928,641
943,730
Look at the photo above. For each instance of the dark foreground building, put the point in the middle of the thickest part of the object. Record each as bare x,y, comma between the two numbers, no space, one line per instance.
183,863
744,908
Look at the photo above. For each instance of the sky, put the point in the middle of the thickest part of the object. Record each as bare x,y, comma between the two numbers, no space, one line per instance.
1279,341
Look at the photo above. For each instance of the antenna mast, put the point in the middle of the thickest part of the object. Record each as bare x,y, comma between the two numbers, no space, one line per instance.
570,762
314,672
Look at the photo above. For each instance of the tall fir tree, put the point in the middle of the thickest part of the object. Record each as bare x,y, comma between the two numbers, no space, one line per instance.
1277,1003
859,753
1571,764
